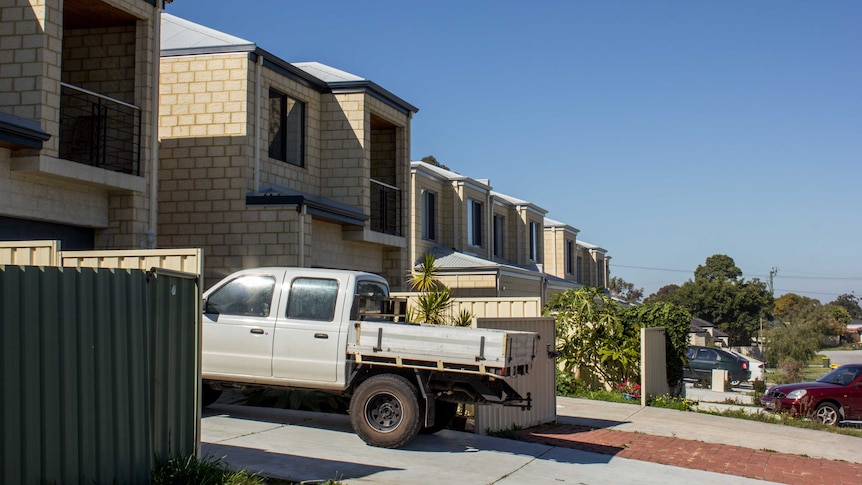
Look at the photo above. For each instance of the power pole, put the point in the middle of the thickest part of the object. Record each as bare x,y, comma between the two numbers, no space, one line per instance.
772,272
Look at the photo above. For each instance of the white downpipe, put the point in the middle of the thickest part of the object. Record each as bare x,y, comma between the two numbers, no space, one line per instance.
489,224
152,231
258,102
302,213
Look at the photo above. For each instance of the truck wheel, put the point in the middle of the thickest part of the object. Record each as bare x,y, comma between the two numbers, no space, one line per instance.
444,412
209,395
384,411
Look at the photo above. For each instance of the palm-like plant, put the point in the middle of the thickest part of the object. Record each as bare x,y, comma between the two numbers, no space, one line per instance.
425,278
434,298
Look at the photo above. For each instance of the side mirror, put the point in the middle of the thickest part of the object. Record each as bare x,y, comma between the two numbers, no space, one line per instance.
207,308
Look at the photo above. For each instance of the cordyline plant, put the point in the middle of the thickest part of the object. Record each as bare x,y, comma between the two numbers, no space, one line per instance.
434,298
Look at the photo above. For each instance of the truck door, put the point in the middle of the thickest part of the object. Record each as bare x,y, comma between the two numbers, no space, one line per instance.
238,327
308,343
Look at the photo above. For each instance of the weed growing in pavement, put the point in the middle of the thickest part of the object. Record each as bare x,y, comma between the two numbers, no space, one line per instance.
670,402
768,450
508,433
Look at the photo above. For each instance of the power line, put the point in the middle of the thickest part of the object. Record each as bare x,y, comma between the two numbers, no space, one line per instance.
748,275
653,269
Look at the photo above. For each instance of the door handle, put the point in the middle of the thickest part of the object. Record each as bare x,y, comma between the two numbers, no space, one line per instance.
257,331
321,335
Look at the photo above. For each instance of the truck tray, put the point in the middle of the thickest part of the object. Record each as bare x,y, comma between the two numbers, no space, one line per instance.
492,352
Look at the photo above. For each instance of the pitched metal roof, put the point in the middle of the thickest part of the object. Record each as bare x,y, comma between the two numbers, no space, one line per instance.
182,35
326,73
450,259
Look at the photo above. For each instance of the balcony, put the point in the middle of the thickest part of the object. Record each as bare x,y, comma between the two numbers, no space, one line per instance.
99,131
385,208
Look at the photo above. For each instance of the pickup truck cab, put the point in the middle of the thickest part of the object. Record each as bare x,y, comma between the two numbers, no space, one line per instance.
335,331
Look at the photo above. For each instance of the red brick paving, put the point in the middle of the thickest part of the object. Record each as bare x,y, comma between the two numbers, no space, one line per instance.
697,455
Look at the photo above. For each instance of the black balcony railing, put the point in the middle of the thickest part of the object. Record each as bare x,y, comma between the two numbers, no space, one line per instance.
385,208
98,130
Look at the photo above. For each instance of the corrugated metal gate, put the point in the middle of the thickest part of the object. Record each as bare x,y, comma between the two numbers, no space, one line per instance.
99,373
540,382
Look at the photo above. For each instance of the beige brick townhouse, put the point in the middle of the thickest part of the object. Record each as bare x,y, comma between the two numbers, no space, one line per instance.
486,244
77,118
572,260
266,162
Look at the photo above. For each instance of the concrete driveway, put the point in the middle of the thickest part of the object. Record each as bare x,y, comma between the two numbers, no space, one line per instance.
306,446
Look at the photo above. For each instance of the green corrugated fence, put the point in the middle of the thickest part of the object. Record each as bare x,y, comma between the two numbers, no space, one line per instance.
99,373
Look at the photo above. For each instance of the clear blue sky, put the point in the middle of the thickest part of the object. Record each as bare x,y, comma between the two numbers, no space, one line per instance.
666,131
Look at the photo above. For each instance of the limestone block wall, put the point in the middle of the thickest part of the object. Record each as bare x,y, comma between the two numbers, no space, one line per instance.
330,251
31,33
345,164
204,96
101,60
36,53
471,286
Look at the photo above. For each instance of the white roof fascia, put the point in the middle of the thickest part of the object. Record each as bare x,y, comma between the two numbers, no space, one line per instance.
551,224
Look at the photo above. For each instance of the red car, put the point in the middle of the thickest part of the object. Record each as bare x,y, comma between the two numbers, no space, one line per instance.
831,399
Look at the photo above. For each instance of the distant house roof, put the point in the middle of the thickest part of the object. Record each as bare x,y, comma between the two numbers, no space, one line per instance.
180,37
448,175
551,223
18,132
449,259
591,247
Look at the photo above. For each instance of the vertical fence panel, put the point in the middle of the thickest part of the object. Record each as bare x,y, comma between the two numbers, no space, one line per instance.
540,382
30,253
653,363
81,349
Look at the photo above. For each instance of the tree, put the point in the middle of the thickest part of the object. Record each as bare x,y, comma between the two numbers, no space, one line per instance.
597,337
431,160
666,293
798,343
591,338
718,267
720,295
797,311
850,303
677,323
624,290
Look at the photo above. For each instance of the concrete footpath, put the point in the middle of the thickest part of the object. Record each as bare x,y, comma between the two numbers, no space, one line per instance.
314,447
593,442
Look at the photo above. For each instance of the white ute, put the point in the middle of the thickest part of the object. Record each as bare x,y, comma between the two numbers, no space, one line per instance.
334,331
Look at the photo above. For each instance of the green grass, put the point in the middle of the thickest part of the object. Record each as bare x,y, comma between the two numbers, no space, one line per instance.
787,420
211,471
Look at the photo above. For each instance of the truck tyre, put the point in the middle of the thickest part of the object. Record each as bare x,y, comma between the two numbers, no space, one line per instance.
444,412
384,411
209,395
